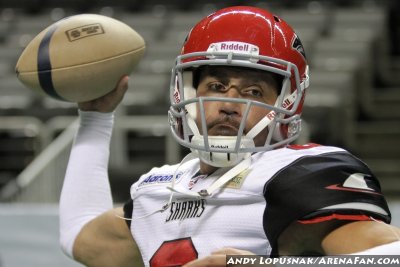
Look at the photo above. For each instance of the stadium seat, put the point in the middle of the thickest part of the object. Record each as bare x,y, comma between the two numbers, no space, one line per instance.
330,105
21,139
159,58
148,94
14,95
306,18
148,24
9,56
367,25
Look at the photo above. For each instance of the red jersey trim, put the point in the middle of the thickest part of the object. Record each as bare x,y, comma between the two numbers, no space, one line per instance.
336,217
305,146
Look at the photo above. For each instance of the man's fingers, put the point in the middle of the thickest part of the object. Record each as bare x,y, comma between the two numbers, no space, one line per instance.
217,258
209,261
110,101
231,251
122,85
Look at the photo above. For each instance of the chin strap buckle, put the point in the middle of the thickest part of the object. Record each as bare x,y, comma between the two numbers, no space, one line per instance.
204,193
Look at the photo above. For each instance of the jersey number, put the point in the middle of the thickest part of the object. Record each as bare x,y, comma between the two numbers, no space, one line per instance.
174,253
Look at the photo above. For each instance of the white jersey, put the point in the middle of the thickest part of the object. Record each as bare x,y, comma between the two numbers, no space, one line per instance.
233,216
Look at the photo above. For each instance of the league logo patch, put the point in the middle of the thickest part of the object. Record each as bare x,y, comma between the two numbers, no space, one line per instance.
237,181
194,180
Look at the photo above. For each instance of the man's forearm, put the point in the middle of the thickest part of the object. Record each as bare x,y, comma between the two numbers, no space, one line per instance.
86,191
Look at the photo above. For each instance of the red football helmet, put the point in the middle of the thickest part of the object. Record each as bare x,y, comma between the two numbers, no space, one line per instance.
247,37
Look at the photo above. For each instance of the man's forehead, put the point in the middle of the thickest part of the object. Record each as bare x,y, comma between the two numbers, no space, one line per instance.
230,70
224,72
237,72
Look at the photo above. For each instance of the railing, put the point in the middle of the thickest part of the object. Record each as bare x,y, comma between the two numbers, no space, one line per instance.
42,180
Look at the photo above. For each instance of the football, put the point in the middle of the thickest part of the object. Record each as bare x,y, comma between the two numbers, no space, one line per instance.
80,58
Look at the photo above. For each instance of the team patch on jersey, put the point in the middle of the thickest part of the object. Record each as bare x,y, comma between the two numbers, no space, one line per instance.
181,210
237,181
155,179
194,180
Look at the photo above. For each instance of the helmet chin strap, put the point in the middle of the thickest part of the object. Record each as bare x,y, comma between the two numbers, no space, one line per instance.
218,159
288,101
267,119
218,183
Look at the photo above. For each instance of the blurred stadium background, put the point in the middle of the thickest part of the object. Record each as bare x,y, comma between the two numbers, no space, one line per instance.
353,101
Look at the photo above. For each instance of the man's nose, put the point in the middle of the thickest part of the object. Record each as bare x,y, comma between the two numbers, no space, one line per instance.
232,92
230,107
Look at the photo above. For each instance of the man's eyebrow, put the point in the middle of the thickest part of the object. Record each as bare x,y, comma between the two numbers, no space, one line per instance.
223,77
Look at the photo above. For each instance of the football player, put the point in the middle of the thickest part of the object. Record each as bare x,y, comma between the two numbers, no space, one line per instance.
236,92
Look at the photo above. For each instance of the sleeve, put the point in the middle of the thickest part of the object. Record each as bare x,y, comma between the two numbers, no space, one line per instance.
314,189
86,189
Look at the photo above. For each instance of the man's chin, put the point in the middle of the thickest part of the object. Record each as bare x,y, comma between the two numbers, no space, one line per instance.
223,131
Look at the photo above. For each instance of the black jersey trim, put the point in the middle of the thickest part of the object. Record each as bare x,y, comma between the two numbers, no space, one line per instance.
299,190
128,209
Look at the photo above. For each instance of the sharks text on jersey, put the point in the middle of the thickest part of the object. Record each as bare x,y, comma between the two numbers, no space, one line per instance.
187,209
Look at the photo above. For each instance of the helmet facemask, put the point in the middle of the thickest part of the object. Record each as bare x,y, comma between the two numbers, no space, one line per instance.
188,113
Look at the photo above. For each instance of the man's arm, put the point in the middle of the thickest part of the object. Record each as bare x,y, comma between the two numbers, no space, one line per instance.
362,236
336,238
107,241
90,230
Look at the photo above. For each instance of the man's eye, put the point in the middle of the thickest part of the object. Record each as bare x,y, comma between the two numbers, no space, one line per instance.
216,87
254,92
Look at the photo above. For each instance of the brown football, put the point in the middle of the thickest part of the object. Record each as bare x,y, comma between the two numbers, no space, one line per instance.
80,58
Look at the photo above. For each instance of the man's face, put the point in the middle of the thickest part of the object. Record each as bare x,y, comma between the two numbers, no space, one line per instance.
224,118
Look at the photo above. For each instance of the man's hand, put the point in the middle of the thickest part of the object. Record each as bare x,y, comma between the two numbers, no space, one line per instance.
217,258
108,102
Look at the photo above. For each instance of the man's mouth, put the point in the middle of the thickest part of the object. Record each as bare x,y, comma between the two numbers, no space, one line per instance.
223,129
225,126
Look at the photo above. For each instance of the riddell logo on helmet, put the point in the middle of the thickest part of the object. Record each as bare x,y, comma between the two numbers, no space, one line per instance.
235,46
219,146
